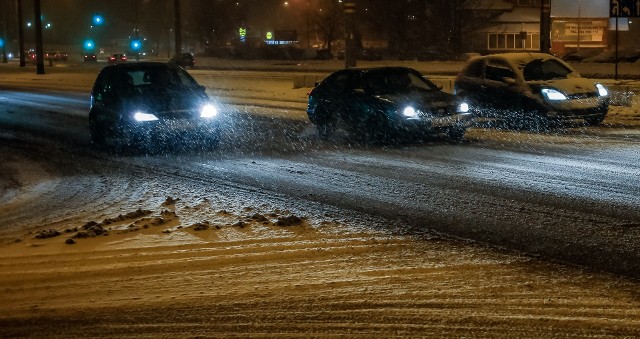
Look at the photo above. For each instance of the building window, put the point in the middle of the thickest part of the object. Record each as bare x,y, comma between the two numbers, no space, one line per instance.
533,3
513,41
529,3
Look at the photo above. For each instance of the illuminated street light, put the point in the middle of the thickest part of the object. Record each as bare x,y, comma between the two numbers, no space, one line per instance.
98,19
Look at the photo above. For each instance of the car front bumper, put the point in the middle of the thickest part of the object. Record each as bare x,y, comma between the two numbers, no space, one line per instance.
168,130
575,109
437,124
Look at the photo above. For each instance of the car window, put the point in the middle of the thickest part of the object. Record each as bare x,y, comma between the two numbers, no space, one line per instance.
498,70
474,70
387,82
339,83
159,77
545,70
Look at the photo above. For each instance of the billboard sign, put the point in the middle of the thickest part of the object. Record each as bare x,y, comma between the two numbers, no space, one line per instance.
624,8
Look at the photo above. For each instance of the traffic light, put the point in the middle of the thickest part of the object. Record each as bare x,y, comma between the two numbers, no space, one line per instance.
89,45
98,20
136,45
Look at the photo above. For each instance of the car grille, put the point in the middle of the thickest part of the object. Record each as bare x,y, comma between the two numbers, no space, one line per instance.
579,96
439,111
181,114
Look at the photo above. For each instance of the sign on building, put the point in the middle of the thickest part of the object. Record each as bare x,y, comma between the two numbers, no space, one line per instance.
624,8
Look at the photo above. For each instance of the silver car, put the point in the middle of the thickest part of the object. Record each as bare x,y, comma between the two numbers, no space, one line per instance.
531,88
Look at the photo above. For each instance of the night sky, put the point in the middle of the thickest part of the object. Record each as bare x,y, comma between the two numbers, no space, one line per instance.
71,19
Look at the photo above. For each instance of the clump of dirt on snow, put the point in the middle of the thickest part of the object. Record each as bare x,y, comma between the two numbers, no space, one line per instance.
201,226
169,201
290,220
45,234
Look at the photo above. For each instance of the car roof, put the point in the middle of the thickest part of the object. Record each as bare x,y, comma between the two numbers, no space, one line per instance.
378,68
518,57
130,66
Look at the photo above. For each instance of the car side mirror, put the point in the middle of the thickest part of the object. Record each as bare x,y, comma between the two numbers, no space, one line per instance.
203,88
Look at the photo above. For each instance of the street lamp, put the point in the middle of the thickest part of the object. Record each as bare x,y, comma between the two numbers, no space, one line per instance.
98,20
579,5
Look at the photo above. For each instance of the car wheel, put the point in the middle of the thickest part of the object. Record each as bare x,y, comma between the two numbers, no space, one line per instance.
456,133
97,131
325,124
594,120
377,130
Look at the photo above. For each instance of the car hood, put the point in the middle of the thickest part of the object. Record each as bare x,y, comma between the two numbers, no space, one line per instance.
170,104
568,86
419,99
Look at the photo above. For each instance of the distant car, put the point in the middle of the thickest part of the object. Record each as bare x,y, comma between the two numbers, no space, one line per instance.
30,57
116,58
367,54
148,104
90,57
56,55
184,60
530,90
382,103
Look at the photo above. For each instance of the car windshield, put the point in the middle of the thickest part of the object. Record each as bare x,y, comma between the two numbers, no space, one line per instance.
545,70
149,78
395,81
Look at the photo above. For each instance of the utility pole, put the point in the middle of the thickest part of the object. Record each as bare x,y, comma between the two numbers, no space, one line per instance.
38,23
350,34
4,34
545,26
21,34
178,31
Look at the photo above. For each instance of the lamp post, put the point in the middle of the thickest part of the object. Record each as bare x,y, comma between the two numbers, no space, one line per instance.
3,39
21,35
39,53
579,5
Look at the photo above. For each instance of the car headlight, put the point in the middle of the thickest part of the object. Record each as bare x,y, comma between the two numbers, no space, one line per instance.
208,111
463,107
140,116
410,112
602,90
553,94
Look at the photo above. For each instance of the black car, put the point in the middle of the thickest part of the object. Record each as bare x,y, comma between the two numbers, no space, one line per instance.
116,58
530,90
148,103
184,60
379,104
90,57
367,54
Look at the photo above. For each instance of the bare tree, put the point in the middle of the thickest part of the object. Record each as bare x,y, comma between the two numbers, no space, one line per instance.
329,20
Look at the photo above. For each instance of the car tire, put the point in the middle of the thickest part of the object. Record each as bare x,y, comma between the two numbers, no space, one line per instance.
97,131
594,120
456,133
377,130
325,124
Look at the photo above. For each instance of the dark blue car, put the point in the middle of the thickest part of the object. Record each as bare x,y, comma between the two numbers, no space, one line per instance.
147,103
382,103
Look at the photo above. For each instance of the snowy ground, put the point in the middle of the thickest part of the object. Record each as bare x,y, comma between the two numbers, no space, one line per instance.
200,259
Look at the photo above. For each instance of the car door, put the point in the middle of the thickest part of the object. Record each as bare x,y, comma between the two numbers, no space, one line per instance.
470,86
108,96
334,95
501,98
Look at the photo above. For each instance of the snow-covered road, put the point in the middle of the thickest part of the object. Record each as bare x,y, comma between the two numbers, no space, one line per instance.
277,232
559,194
